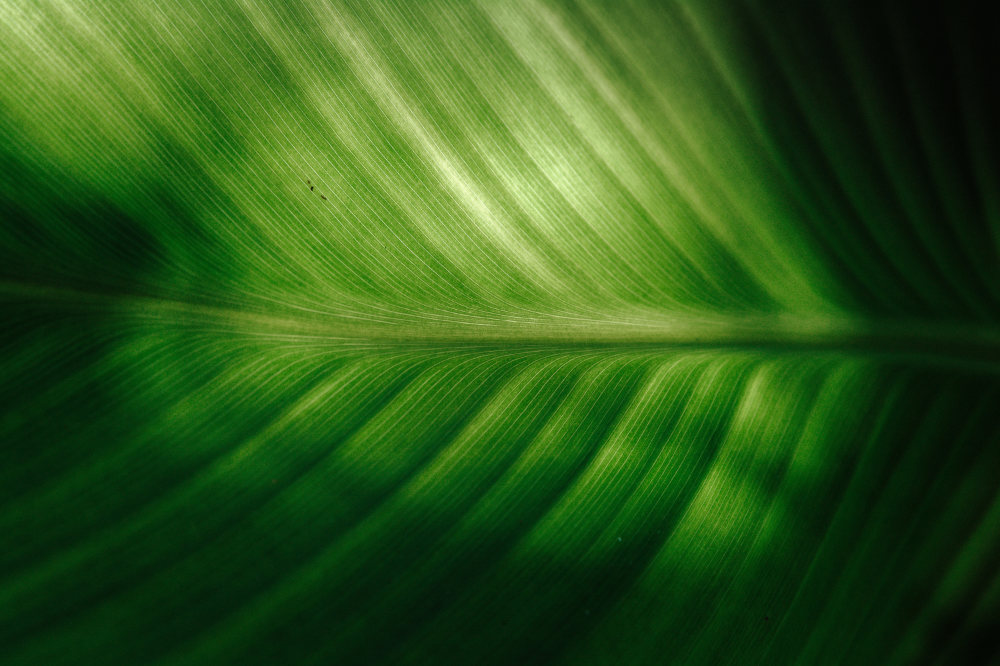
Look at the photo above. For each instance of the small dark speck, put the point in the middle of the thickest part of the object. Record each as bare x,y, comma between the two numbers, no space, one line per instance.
767,618
322,197
312,187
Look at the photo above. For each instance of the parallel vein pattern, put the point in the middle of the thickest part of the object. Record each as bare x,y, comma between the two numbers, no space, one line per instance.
542,332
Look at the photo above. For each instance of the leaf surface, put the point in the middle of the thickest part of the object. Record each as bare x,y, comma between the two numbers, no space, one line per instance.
498,332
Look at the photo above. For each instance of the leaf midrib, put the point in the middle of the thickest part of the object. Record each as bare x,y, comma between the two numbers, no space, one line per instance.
971,344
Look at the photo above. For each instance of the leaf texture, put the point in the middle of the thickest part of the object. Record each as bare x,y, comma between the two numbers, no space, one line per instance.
498,332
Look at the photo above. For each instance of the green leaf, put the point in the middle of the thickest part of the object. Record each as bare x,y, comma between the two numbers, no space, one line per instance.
498,333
